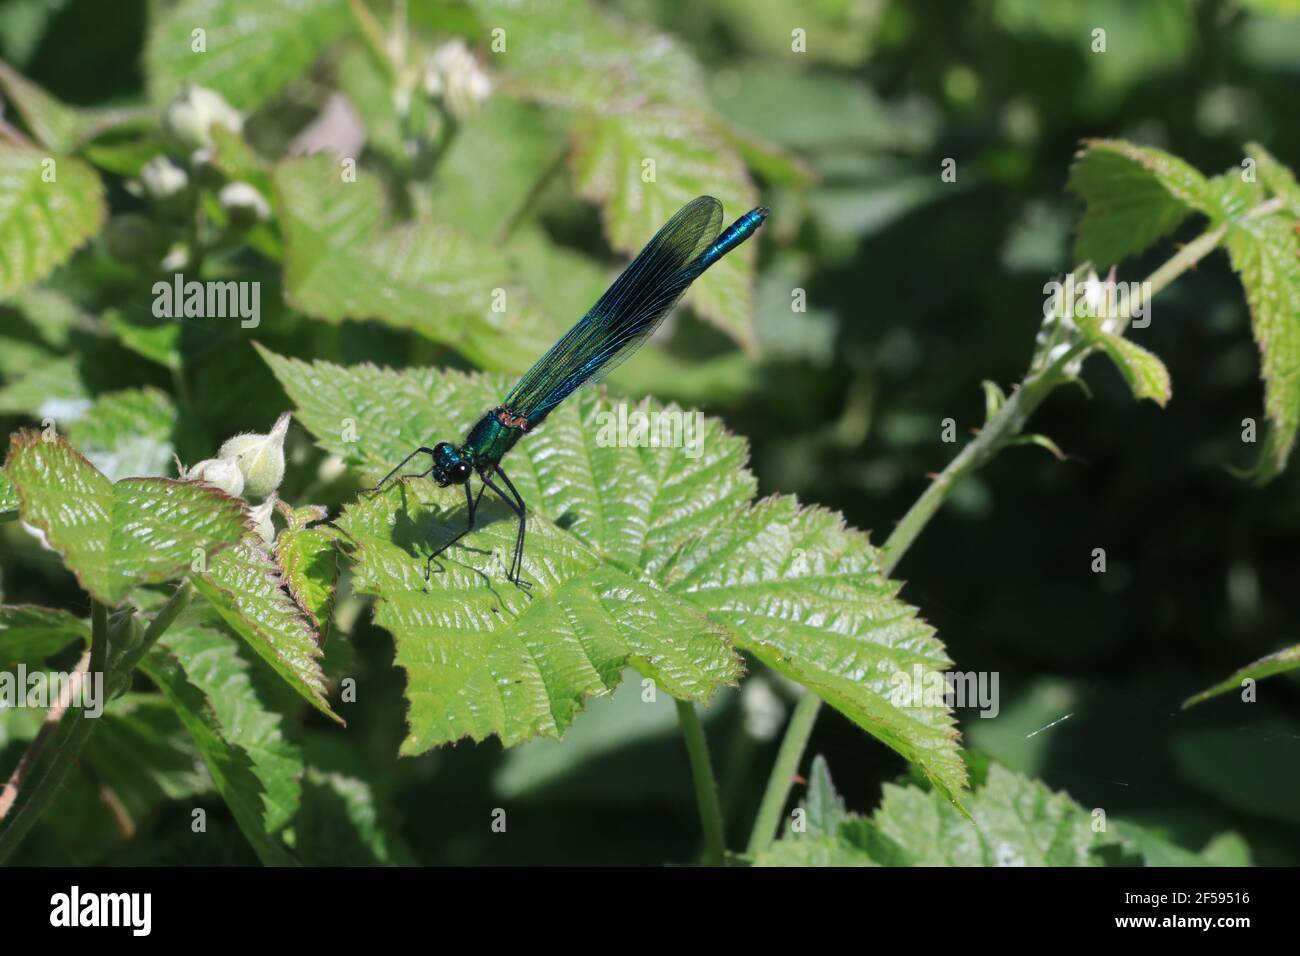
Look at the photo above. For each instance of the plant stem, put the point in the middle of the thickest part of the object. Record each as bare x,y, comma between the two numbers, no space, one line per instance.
70,727
783,771
75,730
1005,425
706,787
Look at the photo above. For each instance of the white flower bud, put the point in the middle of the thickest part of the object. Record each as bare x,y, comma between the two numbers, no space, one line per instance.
262,522
243,204
189,118
221,473
453,73
162,178
763,711
260,457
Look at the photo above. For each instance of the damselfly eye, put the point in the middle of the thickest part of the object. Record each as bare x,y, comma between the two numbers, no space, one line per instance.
459,472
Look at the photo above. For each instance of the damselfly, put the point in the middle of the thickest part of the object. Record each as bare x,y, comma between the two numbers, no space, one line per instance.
624,317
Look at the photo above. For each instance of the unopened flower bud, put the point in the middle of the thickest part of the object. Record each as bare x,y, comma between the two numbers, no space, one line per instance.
243,204
189,118
262,521
221,473
260,457
453,73
162,178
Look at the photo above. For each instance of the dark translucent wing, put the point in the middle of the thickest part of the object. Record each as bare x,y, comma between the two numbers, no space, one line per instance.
626,315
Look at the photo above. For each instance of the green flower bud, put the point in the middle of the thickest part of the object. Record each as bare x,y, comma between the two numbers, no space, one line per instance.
260,457
221,473
189,118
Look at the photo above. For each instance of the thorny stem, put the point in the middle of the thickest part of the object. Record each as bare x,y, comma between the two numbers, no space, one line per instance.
706,787
996,434
70,726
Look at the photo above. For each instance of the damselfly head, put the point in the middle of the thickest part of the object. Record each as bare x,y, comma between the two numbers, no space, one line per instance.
449,466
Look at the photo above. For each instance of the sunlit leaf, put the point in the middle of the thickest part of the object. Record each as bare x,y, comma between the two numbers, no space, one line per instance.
49,206
117,536
1279,662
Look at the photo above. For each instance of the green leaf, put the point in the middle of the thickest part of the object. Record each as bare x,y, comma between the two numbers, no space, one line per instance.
252,48
648,556
256,769
42,223
29,634
610,151
243,584
1265,252
308,563
1253,768
8,495
117,536
1145,373
570,53
1279,662
1134,195
127,434
1014,821
1276,178
54,124
343,260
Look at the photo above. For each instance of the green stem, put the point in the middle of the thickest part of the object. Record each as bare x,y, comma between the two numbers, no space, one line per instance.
1004,426
783,771
74,729
706,787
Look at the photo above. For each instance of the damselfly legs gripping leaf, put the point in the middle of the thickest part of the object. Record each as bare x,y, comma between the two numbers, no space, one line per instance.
626,315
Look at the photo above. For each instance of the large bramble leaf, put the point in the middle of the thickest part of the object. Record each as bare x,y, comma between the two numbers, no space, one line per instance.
650,556
344,260
49,206
29,634
244,585
1134,195
1014,821
569,53
610,158
1265,252
117,536
252,48
256,769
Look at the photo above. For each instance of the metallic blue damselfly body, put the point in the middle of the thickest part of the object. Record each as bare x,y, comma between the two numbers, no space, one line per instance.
615,327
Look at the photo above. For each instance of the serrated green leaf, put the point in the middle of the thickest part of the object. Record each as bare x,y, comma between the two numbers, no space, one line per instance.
308,563
1014,821
256,769
1145,373
610,152
127,434
243,584
661,549
1279,662
1265,252
805,594
343,260
42,223
29,633
117,536
1134,195
570,53
1276,178
252,48
57,125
